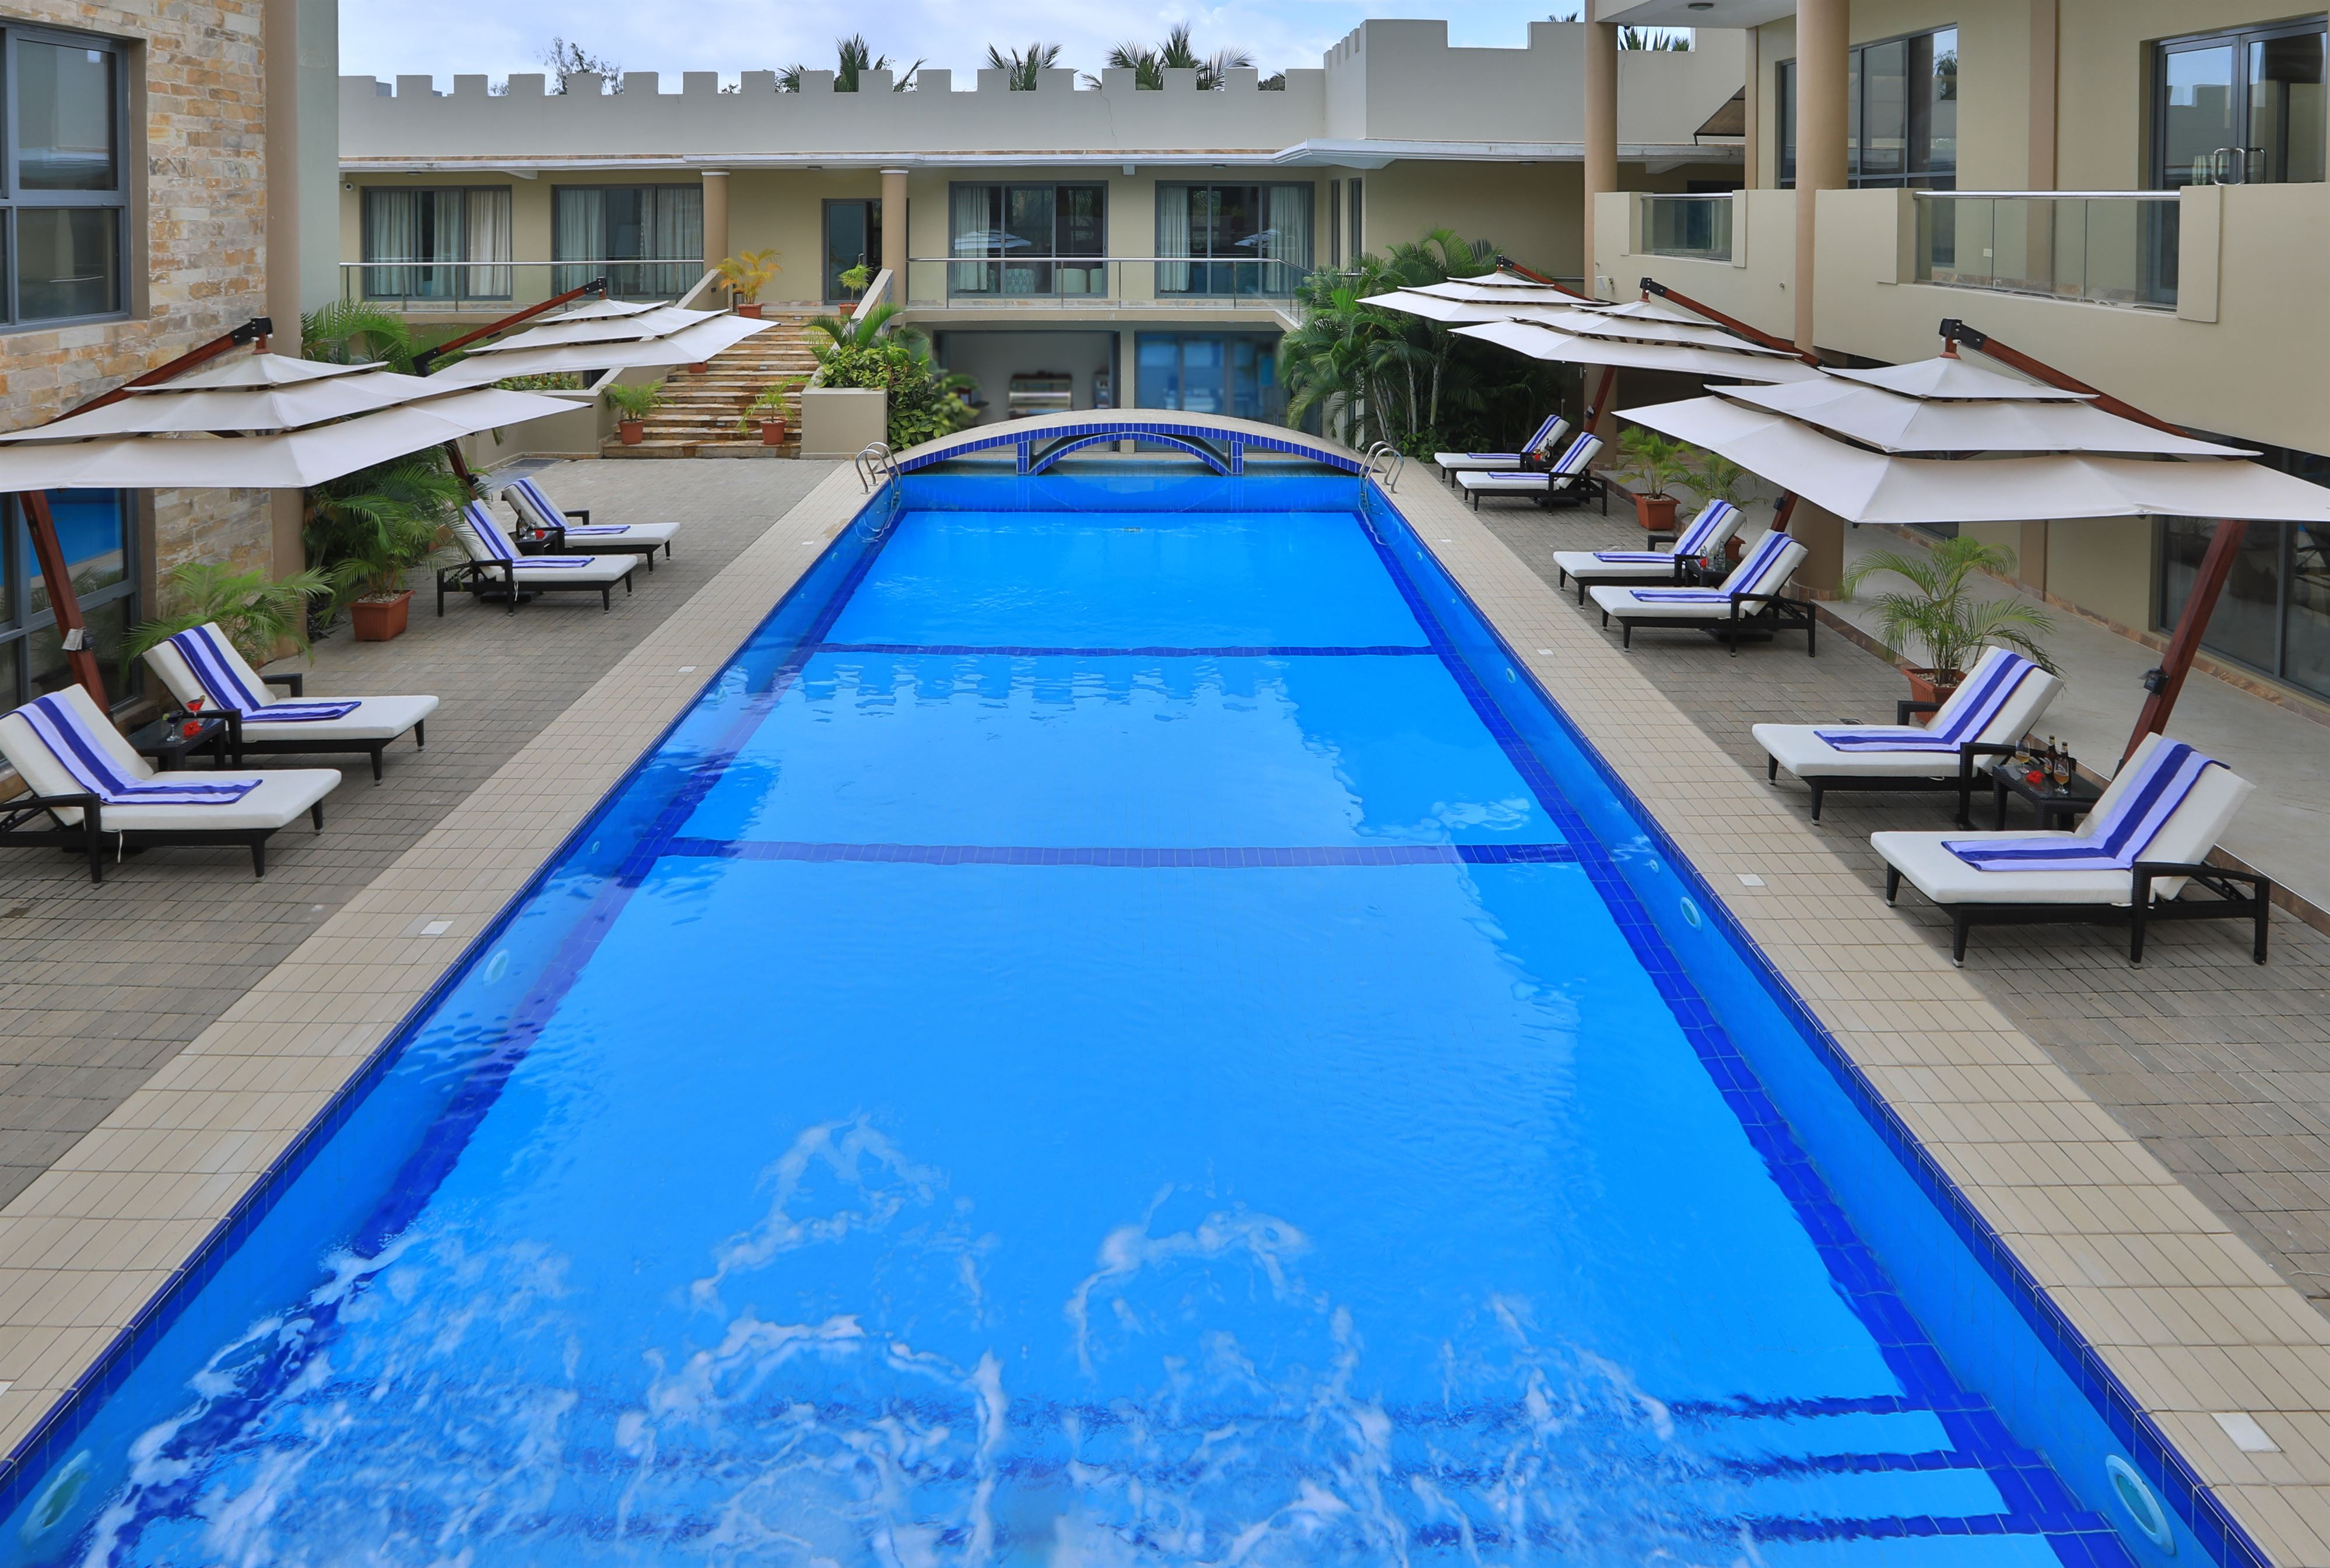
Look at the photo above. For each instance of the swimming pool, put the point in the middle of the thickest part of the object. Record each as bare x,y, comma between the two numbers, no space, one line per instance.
1120,1028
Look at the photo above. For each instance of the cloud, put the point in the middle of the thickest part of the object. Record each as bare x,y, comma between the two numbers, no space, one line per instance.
443,38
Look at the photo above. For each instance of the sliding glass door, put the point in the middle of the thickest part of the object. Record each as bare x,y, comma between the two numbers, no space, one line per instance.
452,243
1238,239
1017,242
2240,108
648,240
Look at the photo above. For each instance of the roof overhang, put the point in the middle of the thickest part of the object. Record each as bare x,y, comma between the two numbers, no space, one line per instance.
1368,153
1688,13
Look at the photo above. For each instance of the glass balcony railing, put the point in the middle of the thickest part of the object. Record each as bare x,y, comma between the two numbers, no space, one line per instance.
1099,281
500,287
1697,228
2103,247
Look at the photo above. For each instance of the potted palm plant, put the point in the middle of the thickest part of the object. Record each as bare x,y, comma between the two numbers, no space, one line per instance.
747,274
769,412
632,403
1659,462
365,532
1717,477
1940,615
855,279
258,612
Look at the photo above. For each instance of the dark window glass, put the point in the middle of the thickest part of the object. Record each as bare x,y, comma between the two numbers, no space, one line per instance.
94,532
64,197
1900,113
1241,239
66,119
1017,233
1208,372
2274,614
1783,93
2239,107
601,227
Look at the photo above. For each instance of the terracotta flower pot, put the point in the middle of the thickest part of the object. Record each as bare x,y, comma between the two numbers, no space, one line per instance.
751,312
377,617
1933,685
773,433
631,430
1655,513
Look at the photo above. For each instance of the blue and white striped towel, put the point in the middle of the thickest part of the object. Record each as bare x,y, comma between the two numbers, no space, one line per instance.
2115,844
82,755
1970,712
206,653
1746,577
497,543
1695,541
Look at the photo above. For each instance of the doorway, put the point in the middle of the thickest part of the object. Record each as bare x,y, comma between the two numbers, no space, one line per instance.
853,237
2239,107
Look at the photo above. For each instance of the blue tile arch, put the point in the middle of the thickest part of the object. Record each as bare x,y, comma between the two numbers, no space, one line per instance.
1115,427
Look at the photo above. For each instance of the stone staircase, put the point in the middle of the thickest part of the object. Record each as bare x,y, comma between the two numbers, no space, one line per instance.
700,408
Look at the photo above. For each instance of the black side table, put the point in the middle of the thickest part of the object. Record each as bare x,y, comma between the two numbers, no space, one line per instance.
165,740
2065,805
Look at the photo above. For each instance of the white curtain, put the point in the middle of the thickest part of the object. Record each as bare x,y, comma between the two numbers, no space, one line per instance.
671,228
486,237
391,233
578,232
967,235
1290,238
1173,237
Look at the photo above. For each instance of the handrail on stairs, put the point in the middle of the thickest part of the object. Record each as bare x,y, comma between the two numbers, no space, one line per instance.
875,461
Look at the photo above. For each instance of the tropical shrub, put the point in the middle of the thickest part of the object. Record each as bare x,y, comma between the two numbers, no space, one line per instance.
258,612
1654,458
748,272
366,530
926,401
1952,624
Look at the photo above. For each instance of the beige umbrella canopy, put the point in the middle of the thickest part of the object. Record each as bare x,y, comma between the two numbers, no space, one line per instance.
1944,442
260,422
1616,342
607,335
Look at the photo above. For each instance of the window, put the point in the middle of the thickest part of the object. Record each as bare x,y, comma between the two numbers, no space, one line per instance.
95,531
1028,240
1236,374
1359,230
2274,614
647,241
1900,114
1242,239
2242,107
64,194
437,244
1335,223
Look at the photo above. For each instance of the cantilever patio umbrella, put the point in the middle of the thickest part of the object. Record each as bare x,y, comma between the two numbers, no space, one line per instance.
610,334
1944,442
263,422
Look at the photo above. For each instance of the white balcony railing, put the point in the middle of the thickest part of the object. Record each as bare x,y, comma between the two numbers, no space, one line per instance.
2102,247
439,287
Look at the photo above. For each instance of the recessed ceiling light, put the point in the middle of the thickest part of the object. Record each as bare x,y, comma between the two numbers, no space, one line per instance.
1702,4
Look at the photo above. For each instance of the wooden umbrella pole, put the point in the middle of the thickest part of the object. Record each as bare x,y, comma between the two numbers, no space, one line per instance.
1599,407
1731,324
1507,263
428,357
1784,511
63,603
2163,683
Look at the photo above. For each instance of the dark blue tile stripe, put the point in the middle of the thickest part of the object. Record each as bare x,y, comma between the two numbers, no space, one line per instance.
2155,1457
978,650
1129,857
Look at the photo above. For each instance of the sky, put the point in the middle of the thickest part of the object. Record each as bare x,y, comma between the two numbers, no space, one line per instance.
440,38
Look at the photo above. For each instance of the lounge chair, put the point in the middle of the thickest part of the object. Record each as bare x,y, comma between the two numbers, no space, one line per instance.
1452,463
91,786
1567,482
200,665
1747,601
1707,534
2146,838
547,521
495,564
2000,699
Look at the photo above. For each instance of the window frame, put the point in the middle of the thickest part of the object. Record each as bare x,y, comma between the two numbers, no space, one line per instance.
14,201
2239,39
610,266
1093,261
1783,135
1209,260
19,624
367,261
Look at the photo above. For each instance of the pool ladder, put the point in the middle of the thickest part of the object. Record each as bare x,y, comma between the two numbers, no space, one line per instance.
874,463
1385,462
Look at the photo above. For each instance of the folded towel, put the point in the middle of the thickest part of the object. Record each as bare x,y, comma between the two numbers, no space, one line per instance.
2112,844
92,766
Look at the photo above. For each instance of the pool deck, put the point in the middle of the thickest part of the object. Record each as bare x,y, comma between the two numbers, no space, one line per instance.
2181,1305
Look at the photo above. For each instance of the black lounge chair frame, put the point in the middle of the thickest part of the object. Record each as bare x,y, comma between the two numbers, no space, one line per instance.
1582,488
2225,883
1773,614
1970,753
19,815
240,743
479,578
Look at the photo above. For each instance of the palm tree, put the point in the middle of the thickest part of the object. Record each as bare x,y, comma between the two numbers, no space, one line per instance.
853,56
356,332
1177,52
1674,38
1023,69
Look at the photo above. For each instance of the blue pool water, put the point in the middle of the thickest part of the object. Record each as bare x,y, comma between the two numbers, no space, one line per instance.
1119,1030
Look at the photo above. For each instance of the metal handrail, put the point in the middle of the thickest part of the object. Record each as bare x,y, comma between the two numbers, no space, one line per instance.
875,460
2053,195
1386,462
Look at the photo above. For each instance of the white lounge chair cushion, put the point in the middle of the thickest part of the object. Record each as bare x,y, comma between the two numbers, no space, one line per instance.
1799,748
634,535
1516,483
1474,462
2186,837
1771,577
598,574
1582,563
590,573
280,797
374,719
516,495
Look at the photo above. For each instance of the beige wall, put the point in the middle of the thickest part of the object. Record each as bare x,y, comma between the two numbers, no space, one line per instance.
1755,285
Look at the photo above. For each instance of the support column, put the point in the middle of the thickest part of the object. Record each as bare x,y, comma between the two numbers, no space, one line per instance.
716,218
1821,533
894,231
1601,128
279,47
1823,31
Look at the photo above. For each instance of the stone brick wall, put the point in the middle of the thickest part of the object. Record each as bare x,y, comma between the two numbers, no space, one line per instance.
199,147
